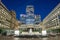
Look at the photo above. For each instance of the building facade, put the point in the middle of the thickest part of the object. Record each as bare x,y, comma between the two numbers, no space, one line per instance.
30,22
13,19
30,17
52,21
7,19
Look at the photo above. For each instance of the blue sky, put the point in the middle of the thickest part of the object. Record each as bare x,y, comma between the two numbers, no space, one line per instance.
42,7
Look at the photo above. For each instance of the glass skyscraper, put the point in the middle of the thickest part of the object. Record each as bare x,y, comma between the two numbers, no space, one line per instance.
30,22
30,18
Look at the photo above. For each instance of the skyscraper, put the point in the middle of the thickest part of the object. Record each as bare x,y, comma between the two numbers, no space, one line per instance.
30,10
30,22
30,18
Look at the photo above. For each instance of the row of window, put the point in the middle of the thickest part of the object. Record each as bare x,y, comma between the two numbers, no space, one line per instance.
3,26
4,16
5,13
53,19
53,22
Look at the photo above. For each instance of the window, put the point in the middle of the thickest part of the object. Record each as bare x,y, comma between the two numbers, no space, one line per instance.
29,21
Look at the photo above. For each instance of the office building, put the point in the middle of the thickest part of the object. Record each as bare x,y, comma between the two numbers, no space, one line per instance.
7,19
52,21
31,22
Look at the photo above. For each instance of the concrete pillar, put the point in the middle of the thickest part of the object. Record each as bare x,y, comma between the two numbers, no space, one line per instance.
30,30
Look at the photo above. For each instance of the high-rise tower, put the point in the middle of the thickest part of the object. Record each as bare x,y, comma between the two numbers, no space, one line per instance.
30,14
30,9
30,22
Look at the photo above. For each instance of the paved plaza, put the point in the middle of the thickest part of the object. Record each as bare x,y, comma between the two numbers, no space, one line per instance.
31,38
